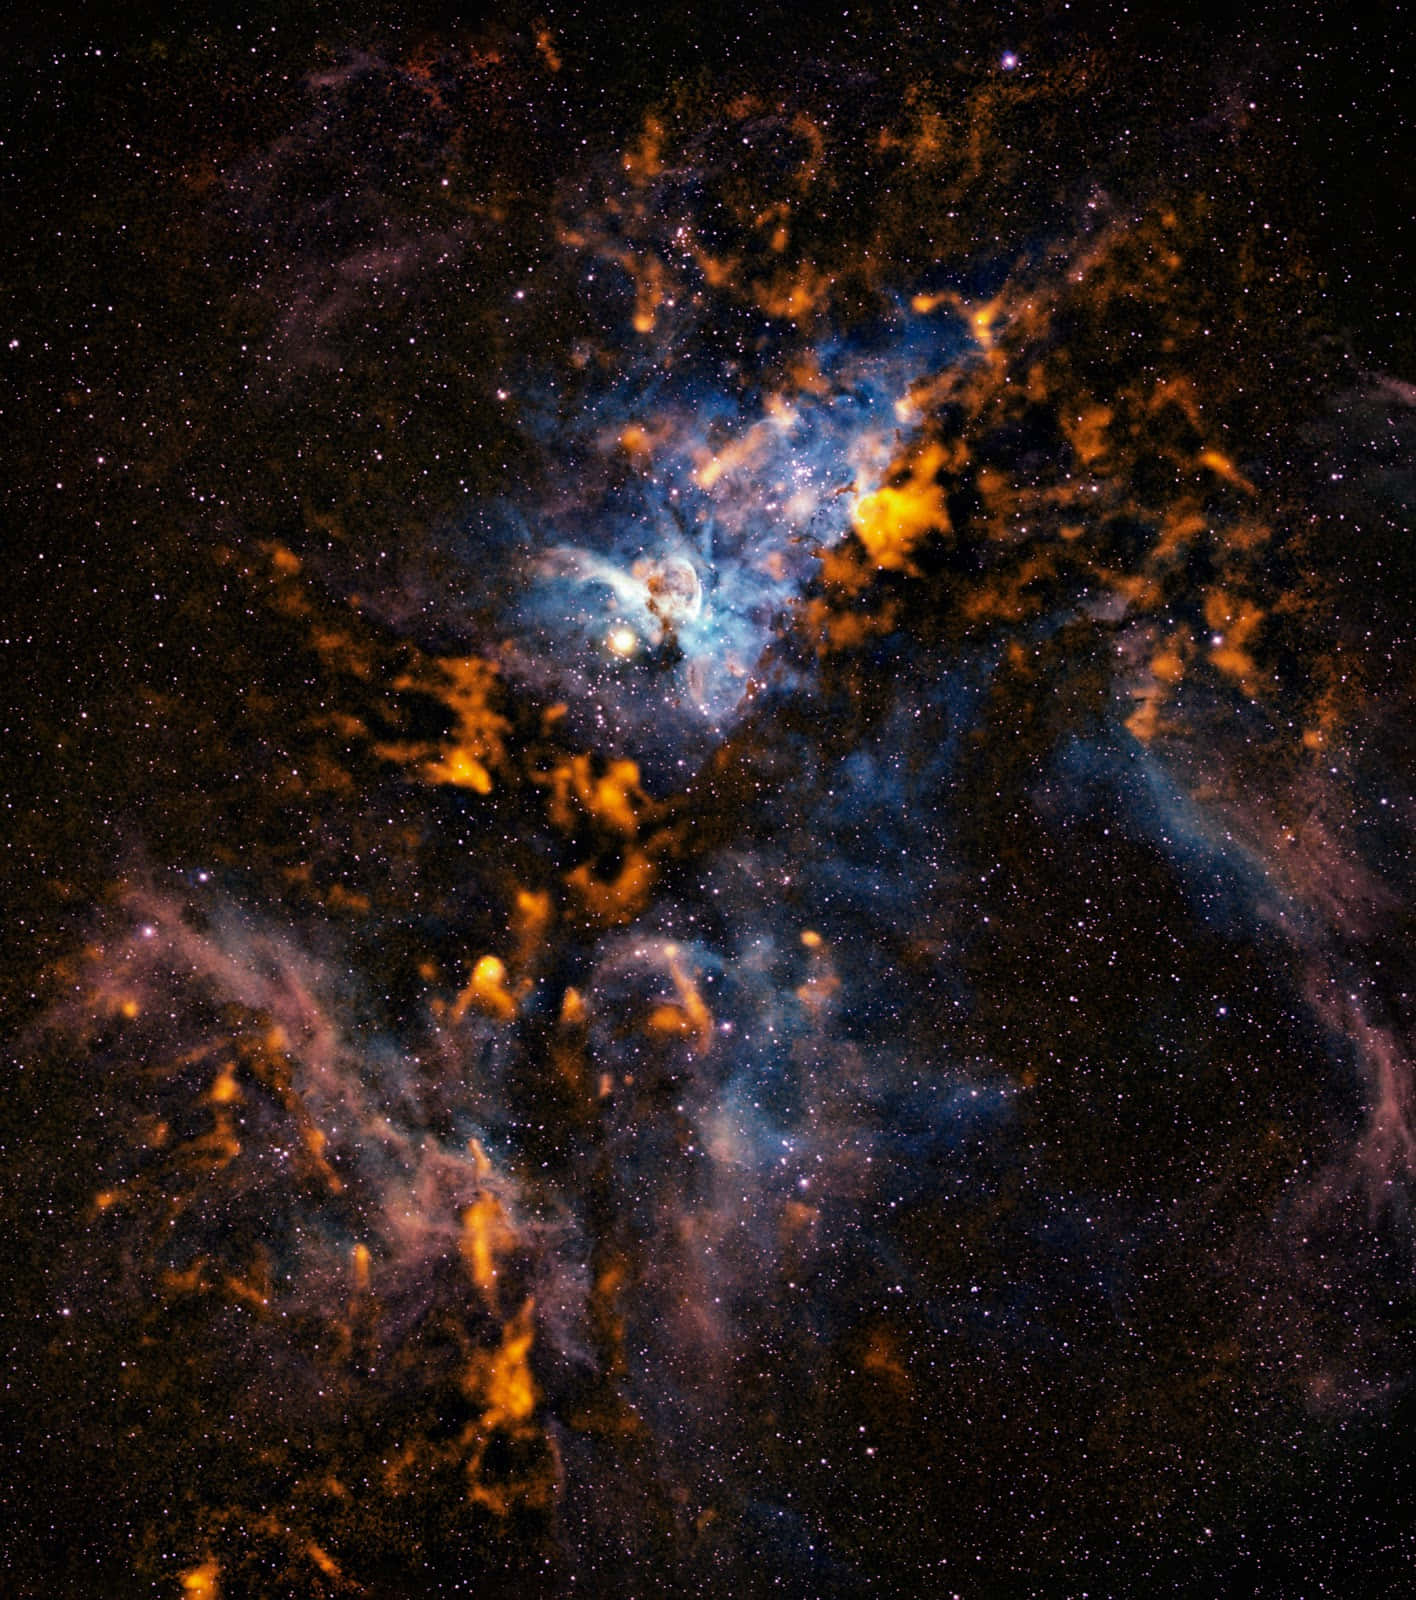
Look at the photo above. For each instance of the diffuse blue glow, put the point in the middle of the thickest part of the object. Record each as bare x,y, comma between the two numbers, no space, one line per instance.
654,595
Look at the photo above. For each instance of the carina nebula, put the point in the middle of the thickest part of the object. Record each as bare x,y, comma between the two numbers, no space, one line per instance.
709,819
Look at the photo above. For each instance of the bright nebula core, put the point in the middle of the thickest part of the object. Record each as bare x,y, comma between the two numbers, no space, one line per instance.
710,884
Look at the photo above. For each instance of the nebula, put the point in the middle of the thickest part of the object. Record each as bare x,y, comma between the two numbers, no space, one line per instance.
759,936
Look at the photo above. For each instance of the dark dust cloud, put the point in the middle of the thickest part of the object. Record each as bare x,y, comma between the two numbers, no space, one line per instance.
709,804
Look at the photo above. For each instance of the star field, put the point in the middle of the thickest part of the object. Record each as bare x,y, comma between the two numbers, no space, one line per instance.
708,806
